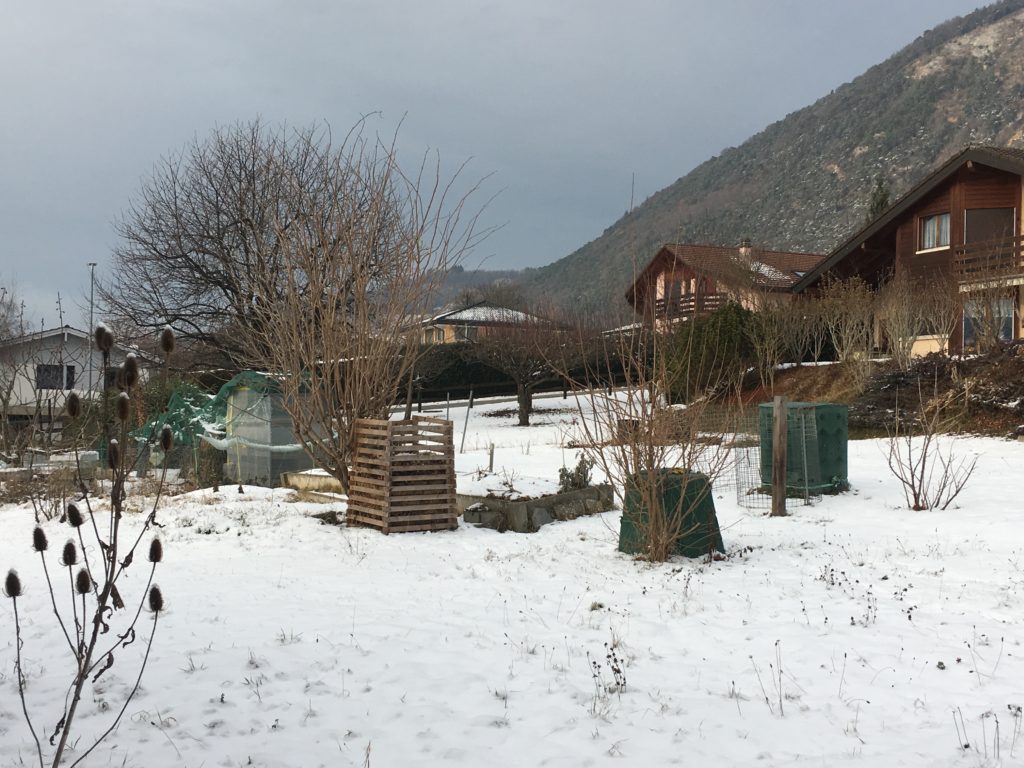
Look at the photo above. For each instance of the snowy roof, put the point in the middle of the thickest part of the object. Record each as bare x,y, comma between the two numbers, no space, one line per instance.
484,313
66,331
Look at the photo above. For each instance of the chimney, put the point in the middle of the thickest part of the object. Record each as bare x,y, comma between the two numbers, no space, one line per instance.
746,251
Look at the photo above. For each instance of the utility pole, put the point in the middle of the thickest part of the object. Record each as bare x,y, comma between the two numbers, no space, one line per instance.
90,329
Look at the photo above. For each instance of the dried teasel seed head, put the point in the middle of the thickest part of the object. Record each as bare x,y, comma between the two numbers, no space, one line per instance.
83,584
104,338
12,584
124,406
69,555
156,551
156,599
131,370
73,406
39,542
167,340
75,518
120,380
113,454
166,438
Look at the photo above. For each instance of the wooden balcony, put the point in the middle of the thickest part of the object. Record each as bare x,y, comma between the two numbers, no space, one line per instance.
688,305
991,261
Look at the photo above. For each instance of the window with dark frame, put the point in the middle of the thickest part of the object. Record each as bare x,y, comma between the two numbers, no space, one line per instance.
49,376
934,232
1001,311
987,224
69,380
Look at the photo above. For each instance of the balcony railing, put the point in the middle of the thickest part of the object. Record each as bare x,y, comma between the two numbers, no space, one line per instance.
688,305
992,260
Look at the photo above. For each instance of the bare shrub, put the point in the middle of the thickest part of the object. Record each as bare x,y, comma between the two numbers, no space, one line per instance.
813,313
927,466
51,492
848,308
902,317
942,308
631,435
99,628
770,333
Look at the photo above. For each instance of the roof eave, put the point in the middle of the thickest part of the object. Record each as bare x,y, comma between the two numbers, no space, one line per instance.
982,155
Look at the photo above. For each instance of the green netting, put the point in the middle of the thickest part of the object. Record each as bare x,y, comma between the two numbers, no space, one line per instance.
194,415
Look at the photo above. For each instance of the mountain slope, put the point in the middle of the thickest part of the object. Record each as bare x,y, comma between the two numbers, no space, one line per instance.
804,182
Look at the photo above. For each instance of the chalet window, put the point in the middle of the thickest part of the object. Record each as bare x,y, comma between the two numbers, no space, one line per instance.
985,224
934,231
469,332
49,377
996,318
70,377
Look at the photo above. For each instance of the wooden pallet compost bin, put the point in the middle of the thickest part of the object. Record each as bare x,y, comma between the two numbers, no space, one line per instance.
403,475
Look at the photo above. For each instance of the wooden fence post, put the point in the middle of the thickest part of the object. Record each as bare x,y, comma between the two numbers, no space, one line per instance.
780,433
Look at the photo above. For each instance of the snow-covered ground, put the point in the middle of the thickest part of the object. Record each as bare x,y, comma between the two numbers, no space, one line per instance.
848,633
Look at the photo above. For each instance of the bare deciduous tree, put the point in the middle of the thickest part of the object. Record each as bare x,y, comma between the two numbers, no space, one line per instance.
335,314
210,231
520,345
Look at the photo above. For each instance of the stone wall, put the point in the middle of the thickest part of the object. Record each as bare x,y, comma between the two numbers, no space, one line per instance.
528,515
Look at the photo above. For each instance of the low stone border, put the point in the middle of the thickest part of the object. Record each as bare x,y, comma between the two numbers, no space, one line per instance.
529,515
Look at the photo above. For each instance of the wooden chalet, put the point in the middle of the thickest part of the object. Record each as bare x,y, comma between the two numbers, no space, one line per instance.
961,224
683,280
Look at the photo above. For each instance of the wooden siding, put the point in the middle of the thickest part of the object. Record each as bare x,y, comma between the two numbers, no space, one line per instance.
969,188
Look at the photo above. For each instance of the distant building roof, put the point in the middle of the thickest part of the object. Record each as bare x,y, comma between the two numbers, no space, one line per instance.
484,313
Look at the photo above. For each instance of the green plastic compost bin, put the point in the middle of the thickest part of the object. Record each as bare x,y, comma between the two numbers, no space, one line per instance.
683,493
816,440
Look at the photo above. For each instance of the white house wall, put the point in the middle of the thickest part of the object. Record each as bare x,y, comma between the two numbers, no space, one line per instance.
59,349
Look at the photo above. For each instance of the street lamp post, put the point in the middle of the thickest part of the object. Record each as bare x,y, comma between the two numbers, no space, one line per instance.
90,329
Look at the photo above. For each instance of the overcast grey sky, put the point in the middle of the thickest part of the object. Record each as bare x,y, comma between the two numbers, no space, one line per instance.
561,100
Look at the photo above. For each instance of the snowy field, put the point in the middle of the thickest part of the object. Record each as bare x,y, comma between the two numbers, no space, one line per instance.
847,634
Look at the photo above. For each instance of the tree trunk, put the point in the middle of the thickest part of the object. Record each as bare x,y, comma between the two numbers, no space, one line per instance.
408,394
341,472
524,395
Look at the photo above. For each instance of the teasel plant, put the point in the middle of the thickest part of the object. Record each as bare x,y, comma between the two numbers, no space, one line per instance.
97,626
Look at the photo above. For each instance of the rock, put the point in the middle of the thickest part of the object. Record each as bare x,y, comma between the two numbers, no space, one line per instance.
569,510
519,518
540,516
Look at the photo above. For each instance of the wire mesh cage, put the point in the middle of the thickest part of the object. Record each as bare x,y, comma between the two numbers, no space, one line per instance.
752,457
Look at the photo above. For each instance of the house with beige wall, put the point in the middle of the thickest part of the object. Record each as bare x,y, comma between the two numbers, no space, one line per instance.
683,280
